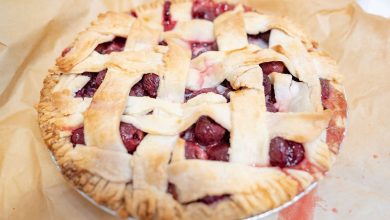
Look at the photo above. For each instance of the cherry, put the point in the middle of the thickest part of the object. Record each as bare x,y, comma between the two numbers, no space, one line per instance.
133,13
203,9
137,90
218,152
77,136
285,153
168,23
269,94
131,136
147,86
189,94
151,82
209,10
195,151
267,85
325,89
93,84
208,132
273,66
116,45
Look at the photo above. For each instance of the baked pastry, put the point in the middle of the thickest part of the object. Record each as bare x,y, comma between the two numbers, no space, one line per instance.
192,110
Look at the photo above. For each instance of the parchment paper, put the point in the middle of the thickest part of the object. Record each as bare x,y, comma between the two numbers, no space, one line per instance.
33,34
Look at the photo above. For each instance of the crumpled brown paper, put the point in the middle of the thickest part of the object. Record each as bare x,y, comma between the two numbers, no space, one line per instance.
33,33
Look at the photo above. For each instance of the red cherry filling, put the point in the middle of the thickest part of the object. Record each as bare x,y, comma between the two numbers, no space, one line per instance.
218,152
147,86
269,93
223,89
198,48
209,10
163,43
208,200
208,132
195,151
77,136
273,66
285,153
115,45
167,21
133,13
131,136
93,84
206,140
325,90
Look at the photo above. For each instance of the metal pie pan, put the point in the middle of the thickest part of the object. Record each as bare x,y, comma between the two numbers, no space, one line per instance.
255,217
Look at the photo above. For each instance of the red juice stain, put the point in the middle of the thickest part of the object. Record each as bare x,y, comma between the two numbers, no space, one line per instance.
301,210
334,210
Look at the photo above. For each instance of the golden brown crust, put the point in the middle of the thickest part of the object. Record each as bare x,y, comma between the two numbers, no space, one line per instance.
139,193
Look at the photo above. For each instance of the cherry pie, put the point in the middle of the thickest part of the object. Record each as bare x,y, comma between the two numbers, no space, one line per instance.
192,110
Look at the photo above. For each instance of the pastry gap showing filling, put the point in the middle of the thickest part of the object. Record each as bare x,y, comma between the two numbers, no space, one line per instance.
133,13
269,92
222,89
325,91
285,153
92,85
147,86
197,48
206,140
167,21
65,51
208,9
77,136
116,45
130,135
208,200
260,39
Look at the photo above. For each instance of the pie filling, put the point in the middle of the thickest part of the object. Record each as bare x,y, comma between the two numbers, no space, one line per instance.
208,9
167,21
131,136
133,13
92,85
197,47
206,140
223,89
147,86
285,153
325,91
115,45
